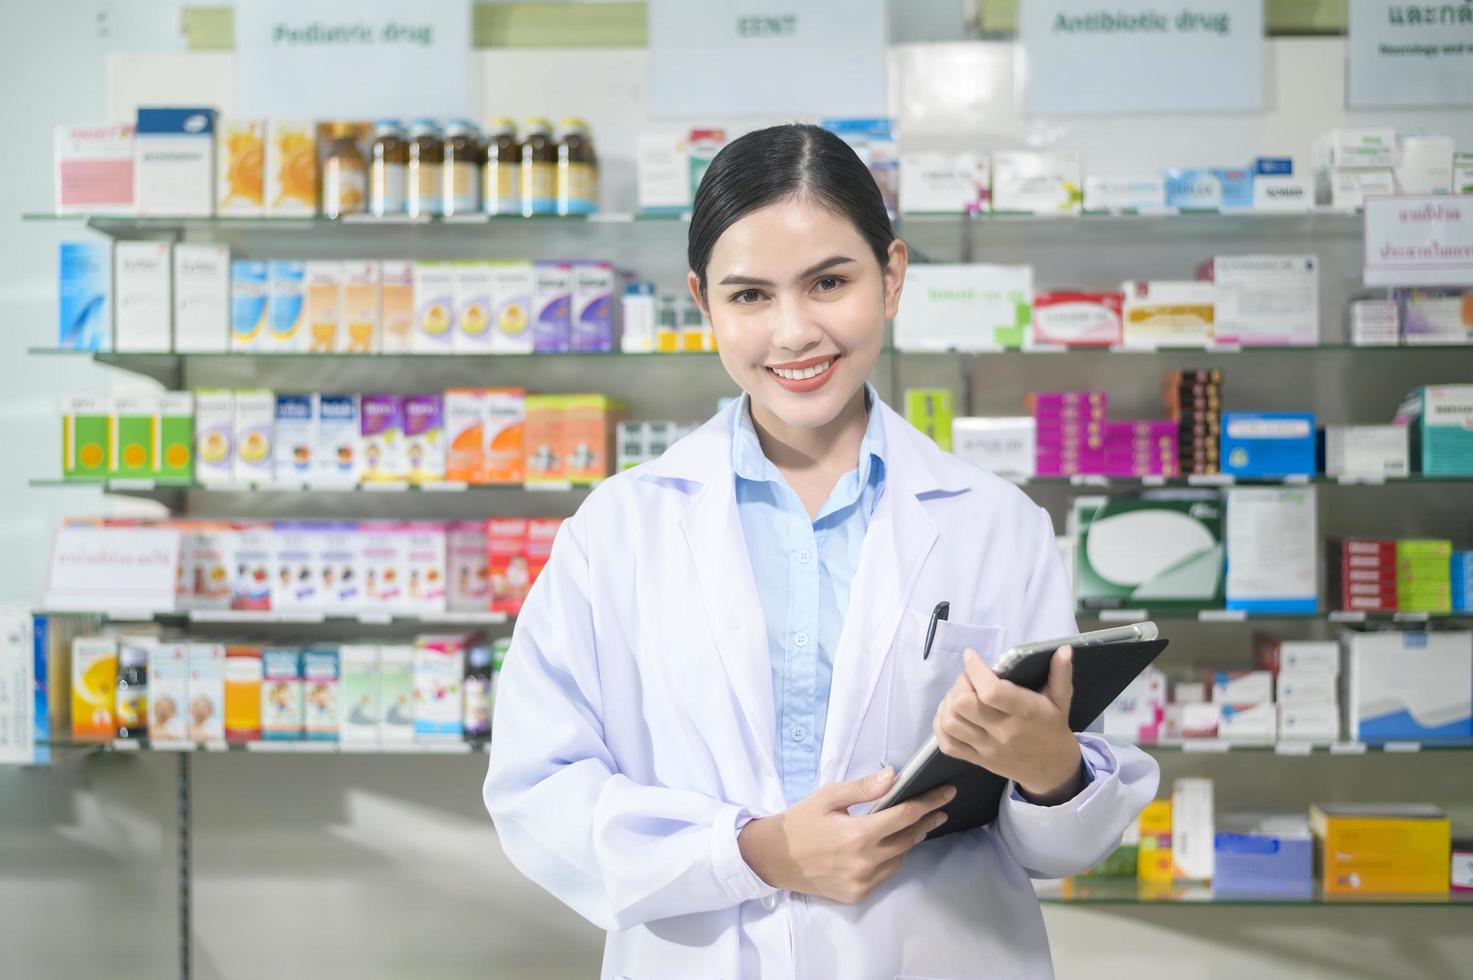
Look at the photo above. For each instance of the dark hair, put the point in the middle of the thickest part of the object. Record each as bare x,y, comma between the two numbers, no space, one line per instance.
771,164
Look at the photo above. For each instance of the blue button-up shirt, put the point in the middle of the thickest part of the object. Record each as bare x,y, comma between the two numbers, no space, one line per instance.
804,571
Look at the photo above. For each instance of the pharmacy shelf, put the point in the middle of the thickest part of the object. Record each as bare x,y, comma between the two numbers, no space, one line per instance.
1217,746
1138,614
274,747
1130,891
1090,481
172,494
252,618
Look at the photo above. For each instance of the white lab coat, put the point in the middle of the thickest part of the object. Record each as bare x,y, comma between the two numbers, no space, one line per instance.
633,729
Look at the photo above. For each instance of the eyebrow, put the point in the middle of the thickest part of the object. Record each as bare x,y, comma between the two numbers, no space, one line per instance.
812,270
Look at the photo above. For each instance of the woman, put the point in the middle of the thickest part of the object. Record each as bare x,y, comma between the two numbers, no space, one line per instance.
724,655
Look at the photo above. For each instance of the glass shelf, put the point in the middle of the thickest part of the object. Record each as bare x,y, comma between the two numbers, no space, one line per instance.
247,617
151,487
1088,481
1130,891
274,747
1139,614
1214,746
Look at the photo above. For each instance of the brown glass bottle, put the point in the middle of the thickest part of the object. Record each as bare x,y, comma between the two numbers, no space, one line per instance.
423,183
539,169
577,170
388,160
462,169
500,186
344,174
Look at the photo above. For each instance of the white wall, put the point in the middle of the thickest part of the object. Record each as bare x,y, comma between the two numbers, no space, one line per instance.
327,866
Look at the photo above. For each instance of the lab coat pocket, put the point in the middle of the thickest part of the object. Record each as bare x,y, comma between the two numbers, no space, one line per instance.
916,686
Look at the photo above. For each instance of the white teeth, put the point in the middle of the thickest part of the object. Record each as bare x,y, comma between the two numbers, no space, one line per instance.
803,374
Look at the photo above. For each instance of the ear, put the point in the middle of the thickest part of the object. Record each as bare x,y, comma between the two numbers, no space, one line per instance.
693,283
894,273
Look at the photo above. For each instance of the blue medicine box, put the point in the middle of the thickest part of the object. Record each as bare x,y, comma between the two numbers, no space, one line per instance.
1273,166
1195,190
1268,444
1264,864
1237,187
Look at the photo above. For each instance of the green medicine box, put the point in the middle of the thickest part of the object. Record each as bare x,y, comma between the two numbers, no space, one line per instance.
175,462
931,411
84,438
133,436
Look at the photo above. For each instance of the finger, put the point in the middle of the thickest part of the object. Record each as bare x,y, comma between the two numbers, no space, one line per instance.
885,869
969,706
841,796
992,690
958,749
898,843
963,729
1060,687
897,818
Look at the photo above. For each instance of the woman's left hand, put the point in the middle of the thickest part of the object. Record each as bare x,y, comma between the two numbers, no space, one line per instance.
1020,734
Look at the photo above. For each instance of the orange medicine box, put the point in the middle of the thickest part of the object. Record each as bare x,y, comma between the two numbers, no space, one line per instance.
242,693
506,563
465,435
94,688
589,422
1153,857
543,438
506,435
1381,849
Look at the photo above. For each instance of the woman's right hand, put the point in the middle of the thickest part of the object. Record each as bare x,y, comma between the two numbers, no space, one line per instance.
816,848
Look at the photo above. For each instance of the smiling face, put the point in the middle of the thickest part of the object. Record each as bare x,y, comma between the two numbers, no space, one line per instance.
798,302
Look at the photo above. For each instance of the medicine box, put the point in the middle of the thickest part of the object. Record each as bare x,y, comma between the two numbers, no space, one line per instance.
1265,299
588,437
1442,431
255,418
506,563
282,714
1373,452
84,290
511,312
361,331
142,302
341,567
1347,190
1381,849
1298,656
295,585
1242,687
434,308
1069,319
202,298
1124,194
94,169
930,410
1138,714
543,439
1192,829
291,168
361,715
94,684
295,439
240,152
207,692
439,673
1438,315
320,694
132,445
1272,549
968,307
382,448
1283,192
1306,687
1375,323
1145,552
1000,445
474,307
1309,722
662,173
336,460
552,307
467,575
168,693
424,438
396,694
250,304
1193,190
174,462
214,436
324,307
1268,444
385,565
85,425
637,316
1037,183
1236,188
1260,854
1154,855
595,287
1409,685
1356,148
1166,313
174,168
1424,165
286,307
396,307
424,563
243,676
252,565
944,183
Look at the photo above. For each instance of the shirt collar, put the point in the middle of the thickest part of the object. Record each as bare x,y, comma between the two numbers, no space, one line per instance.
750,463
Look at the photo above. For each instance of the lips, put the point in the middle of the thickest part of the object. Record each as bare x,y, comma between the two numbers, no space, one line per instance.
805,376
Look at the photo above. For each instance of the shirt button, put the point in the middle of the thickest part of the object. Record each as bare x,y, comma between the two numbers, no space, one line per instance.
804,556
799,734
770,902
801,640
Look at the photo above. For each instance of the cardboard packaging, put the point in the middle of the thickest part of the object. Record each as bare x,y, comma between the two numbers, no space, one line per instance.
1381,849
1069,319
511,320
382,448
944,183
132,438
1004,446
85,424
282,703
360,317
506,563
662,173
286,308
638,318
1192,833
168,693
964,307
243,679
361,714
439,673
202,298
206,692
588,437
1163,313
1272,549
295,439
468,579
1409,685
250,296
1309,722
1356,148
385,565
1268,444
174,163
1286,192
1248,722
424,562
240,184
465,435
1371,452
214,436
1139,713
94,169
1298,687
1037,183
1375,323
1435,316
94,683
1267,300
1154,855
1145,552
142,298
396,694
434,306
321,691
1241,686
1347,190
1124,194
544,439
291,169
252,563
930,410
295,585
1190,189
1296,656
336,461
424,438
1424,165
255,417
474,307
324,307
1440,419
594,288
84,291
174,462
396,307
1263,854
340,570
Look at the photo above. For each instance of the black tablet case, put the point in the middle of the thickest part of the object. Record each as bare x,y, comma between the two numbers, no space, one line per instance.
1100,674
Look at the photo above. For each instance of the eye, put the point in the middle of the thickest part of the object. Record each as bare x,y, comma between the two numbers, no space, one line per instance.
827,284
747,296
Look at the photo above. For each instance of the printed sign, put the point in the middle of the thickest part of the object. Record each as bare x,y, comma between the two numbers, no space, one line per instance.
1409,54
784,58
99,569
1419,241
1081,56
353,59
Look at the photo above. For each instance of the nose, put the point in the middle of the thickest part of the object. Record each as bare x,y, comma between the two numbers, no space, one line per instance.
793,329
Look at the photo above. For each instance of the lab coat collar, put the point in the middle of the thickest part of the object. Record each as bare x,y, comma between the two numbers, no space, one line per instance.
900,536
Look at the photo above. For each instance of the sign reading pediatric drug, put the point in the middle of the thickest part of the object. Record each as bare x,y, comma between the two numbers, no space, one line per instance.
112,569
1419,241
353,59
1083,56
767,58
1409,54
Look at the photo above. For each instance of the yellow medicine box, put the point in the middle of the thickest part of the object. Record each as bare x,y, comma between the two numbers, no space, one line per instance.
1153,859
1382,849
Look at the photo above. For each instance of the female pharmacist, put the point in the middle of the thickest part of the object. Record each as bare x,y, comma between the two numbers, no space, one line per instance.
724,655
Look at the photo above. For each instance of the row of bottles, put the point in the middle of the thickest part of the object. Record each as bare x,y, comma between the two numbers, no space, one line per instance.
431,173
